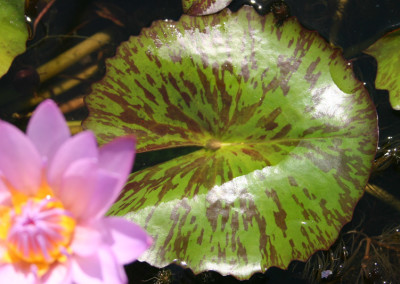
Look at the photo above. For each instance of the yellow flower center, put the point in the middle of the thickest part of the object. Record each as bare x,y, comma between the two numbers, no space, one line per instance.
41,232
36,230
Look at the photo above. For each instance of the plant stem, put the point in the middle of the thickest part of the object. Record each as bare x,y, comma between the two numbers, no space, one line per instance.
72,105
73,55
75,126
383,195
30,102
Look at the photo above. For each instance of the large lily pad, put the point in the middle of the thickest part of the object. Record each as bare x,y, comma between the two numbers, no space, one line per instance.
204,7
285,151
13,33
386,52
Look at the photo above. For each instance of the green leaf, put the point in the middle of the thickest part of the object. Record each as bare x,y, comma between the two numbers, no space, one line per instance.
285,151
204,7
386,53
13,34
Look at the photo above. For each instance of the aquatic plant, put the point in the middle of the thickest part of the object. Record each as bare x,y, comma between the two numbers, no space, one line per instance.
385,50
13,32
286,139
357,258
214,171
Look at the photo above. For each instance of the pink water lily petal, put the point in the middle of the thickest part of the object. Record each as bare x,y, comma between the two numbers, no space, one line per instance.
87,191
5,196
59,273
3,248
80,146
78,186
86,181
105,190
20,162
86,240
47,128
98,268
10,273
118,157
126,239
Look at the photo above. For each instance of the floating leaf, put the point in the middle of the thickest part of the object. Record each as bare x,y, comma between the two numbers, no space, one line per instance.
13,34
386,52
285,151
204,7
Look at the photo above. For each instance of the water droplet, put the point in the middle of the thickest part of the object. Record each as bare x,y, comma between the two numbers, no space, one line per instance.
326,273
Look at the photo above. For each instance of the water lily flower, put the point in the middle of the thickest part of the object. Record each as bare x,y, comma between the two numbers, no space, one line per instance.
54,192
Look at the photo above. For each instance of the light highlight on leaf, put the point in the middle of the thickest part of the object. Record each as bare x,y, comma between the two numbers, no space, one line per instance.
204,7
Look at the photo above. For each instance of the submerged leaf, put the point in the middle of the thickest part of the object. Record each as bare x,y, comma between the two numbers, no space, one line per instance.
204,7
13,32
386,53
285,152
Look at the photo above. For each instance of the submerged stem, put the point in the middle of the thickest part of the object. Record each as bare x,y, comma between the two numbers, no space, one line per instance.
383,195
30,102
73,55
75,126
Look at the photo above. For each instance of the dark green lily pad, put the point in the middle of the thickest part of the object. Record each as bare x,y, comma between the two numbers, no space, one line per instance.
285,154
386,52
13,33
204,7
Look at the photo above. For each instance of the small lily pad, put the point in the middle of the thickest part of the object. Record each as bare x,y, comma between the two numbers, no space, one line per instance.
204,7
13,33
287,139
386,52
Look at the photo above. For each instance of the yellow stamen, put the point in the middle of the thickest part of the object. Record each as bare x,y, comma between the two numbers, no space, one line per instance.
37,230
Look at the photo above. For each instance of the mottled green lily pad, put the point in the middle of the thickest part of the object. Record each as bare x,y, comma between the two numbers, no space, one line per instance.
204,7
386,52
285,151
13,33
